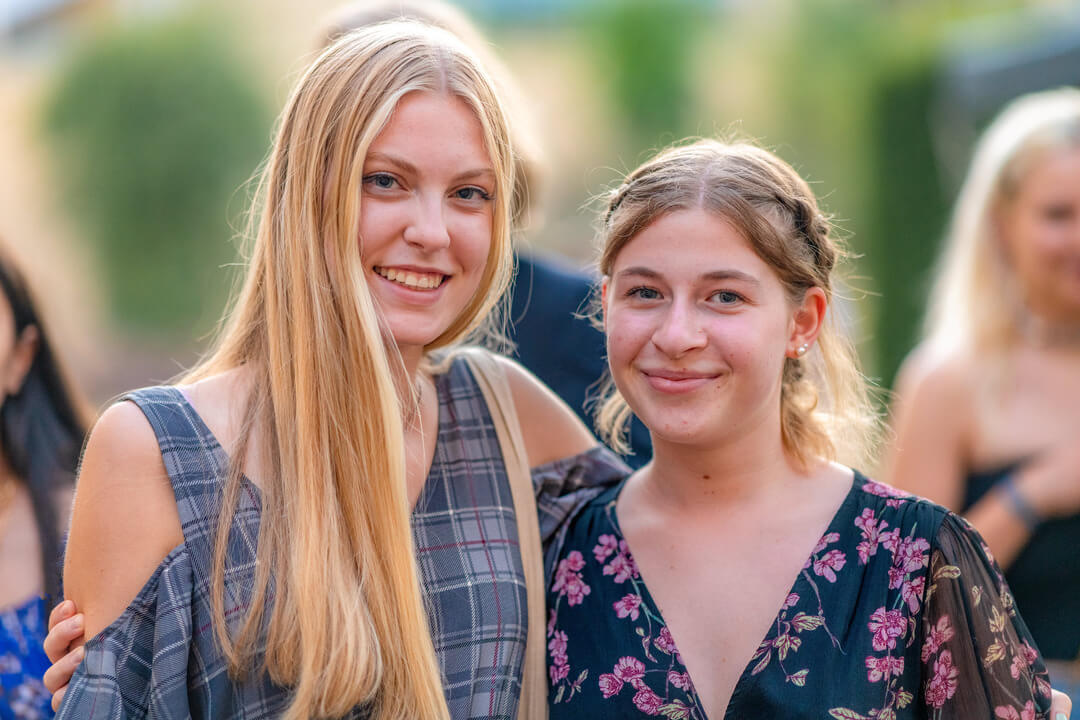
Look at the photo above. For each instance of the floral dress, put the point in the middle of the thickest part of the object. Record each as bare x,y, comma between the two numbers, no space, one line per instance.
899,612
22,662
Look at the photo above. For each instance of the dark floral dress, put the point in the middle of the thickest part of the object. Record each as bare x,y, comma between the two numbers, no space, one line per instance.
899,612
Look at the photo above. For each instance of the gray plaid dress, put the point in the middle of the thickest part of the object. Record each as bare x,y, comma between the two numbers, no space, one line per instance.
159,659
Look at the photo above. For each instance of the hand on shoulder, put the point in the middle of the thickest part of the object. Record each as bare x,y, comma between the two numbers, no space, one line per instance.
124,517
550,428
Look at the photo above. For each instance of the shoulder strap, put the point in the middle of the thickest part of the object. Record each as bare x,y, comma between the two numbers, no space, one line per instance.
491,377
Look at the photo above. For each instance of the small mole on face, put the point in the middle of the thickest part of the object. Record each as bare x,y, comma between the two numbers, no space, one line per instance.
706,477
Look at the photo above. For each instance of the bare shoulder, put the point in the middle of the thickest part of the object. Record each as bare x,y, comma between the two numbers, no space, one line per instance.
936,377
124,519
550,428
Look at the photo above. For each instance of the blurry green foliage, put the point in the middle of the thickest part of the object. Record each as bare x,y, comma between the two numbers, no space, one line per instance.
646,50
154,127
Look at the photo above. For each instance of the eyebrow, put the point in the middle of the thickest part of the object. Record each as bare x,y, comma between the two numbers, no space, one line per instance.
408,167
712,275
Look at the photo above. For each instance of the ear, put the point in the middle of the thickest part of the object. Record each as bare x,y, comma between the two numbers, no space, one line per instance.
807,321
22,357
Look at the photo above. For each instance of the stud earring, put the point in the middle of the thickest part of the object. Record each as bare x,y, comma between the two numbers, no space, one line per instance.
801,350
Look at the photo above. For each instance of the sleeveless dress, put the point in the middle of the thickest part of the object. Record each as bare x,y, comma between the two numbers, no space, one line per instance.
1045,580
159,659
899,612
23,662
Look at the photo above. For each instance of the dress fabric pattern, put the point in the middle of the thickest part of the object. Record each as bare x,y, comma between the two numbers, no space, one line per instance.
159,659
899,612
23,662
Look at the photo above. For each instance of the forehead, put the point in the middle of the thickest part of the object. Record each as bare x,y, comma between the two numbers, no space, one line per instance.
691,243
433,126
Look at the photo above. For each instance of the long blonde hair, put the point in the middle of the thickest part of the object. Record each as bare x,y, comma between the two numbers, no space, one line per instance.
825,410
975,303
347,624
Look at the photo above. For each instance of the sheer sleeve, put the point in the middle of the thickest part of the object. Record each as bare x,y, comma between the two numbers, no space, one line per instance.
565,486
979,660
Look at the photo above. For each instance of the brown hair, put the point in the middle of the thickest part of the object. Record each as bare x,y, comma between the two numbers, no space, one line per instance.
824,406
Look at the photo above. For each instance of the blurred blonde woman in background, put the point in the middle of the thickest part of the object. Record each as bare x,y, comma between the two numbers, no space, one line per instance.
242,543
987,411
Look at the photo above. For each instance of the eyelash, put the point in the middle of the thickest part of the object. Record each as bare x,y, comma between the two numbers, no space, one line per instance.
374,179
637,292
737,296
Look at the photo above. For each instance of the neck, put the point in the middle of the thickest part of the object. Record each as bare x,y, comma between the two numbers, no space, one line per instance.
694,479
1051,331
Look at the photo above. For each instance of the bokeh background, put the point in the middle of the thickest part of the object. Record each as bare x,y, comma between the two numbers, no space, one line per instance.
129,130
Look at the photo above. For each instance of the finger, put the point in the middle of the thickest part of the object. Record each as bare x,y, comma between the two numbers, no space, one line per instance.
58,697
1061,707
61,612
60,637
59,674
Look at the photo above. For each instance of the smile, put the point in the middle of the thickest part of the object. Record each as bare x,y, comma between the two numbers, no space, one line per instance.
411,279
675,382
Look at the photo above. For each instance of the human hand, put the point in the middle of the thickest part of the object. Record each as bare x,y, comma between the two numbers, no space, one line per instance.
1061,707
64,648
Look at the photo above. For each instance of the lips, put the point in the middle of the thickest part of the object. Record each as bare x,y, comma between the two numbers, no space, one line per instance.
412,279
677,381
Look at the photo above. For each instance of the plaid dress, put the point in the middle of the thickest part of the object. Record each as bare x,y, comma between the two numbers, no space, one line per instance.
159,659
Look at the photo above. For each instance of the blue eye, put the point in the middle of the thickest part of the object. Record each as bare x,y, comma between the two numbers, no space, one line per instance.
726,297
643,293
471,193
383,181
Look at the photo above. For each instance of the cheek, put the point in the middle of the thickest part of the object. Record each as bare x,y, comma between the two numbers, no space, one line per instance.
627,332
471,237
379,224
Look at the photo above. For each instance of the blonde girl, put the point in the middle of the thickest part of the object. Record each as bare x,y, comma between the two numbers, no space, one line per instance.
987,407
242,543
744,572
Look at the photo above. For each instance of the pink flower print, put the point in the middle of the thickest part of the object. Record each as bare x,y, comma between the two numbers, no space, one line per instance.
551,622
943,685
938,636
1030,653
647,701
623,566
680,680
605,547
665,643
628,607
825,542
912,593
1008,712
610,685
891,540
896,577
871,532
557,644
913,554
630,670
825,565
882,490
1018,666
887,625
568,580
792,599
558,672
879,668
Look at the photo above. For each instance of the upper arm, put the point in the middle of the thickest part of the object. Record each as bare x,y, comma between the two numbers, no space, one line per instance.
931,414
124,519
550,428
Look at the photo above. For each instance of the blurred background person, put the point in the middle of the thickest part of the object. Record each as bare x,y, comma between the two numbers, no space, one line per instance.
987,412
547,330
42,424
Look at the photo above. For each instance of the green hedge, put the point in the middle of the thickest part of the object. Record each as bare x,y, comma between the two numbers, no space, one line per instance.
153,128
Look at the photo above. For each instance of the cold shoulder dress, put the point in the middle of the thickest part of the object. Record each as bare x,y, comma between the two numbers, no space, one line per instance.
159,659
898,612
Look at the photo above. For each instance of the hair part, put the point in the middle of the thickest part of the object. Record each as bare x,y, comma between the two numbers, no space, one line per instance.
976,303
825,411
347,625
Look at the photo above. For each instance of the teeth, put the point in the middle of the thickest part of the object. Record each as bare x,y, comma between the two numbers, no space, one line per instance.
423,281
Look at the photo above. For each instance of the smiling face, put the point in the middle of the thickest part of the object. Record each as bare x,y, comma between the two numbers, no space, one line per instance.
698,328
426,216
1041,233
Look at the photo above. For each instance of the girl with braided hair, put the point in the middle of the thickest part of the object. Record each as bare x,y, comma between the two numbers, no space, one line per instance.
745,571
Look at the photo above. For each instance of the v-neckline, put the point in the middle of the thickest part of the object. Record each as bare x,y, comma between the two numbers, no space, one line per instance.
857,482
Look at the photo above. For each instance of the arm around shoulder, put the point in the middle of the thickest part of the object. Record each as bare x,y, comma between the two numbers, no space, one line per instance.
124,519
551,429
931,419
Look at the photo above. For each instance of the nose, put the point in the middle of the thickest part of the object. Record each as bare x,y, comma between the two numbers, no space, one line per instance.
679,331
426,228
